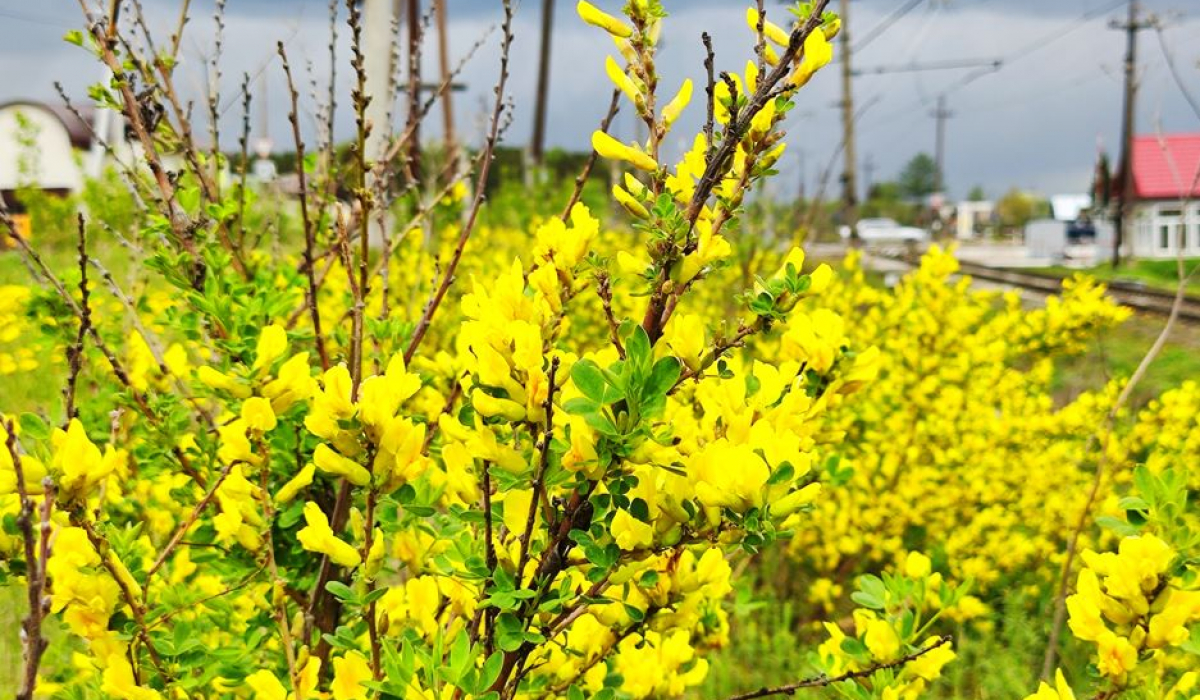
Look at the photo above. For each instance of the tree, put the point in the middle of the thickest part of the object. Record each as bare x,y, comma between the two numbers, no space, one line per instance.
918,179
976,194
1017,208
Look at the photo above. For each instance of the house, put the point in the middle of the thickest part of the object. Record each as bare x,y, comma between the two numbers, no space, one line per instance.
1164,170
53,149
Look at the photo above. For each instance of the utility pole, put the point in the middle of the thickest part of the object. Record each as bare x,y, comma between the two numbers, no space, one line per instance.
940,115
868,174
1131,27
451,143
379,28
849,179
537,146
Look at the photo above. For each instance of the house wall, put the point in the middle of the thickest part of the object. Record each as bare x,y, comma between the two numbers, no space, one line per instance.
1161,228
50,164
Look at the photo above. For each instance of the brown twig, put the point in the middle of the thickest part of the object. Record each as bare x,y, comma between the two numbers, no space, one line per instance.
604,291
539,473
614,106
489,150
75,351
310,237
189,521
137,606
33,644
823,681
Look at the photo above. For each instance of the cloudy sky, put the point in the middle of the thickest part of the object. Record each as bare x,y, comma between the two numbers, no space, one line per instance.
1034,123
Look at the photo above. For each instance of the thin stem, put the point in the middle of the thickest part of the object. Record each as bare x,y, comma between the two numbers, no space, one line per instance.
489,150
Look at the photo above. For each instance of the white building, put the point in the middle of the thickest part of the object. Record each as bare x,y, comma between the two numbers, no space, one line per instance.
1163,172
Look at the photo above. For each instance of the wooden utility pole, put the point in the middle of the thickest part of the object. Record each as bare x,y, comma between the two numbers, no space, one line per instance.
448,134
940,115
538,144
1125,202
849,175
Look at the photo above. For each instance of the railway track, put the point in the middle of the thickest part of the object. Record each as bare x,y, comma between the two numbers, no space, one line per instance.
1135,296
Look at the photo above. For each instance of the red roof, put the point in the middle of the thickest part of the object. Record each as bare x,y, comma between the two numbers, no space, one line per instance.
1164,169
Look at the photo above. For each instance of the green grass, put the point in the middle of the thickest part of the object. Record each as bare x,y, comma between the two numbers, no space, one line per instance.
1118,353
1157,274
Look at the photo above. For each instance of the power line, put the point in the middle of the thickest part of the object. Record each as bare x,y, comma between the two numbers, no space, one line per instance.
886,23
948,64
35,19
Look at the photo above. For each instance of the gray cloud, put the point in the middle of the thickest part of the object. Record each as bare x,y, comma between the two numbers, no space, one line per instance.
1034,123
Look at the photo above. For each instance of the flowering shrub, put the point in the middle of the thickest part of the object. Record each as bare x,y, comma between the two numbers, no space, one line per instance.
1134,606
287,481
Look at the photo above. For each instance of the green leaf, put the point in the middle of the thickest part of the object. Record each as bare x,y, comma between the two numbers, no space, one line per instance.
783,474
340,591
489,673
74,37
580,406
662,377
594,384
510,634
33,427
637,347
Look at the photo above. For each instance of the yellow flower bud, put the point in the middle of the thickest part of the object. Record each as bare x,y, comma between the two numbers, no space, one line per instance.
333,463
679,103
596,17
610,148
627,200
622,80
771,30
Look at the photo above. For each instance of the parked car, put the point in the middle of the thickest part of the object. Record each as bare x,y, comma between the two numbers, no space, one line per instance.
872,230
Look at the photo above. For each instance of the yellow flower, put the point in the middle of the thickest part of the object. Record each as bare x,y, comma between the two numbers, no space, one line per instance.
929,665
272,344
329,461
302,480
882,640
1115,655
490,406
610,148
771,30
917,565
118,681
234,445
596,17
350,671
678,103
258,414
792,502
686,337
631,533
212,378
622,80
818,52
627,200
266,686
318,537
1169,627
79,462
719,485
1060,691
